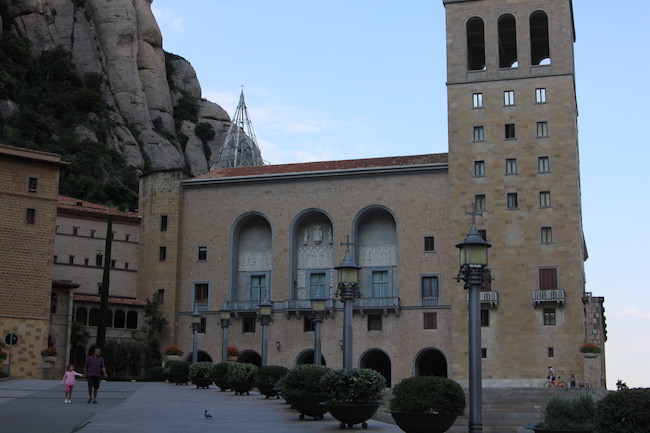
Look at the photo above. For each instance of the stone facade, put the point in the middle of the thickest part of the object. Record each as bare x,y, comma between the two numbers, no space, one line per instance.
29,182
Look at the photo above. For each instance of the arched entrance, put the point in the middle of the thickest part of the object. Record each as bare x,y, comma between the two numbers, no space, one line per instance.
378,361
201,356
430,362
250,357
307,357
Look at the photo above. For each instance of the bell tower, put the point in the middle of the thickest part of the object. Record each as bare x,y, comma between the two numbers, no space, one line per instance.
513,152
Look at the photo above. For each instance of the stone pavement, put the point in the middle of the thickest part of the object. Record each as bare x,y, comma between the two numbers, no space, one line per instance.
142,407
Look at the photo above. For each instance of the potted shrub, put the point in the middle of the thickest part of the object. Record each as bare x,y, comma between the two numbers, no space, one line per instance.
201,374
220,375
173,353
241,377
233,353
590,350
624,411
301,387
352,395
49,354
267,378
574,415
176,372
427,404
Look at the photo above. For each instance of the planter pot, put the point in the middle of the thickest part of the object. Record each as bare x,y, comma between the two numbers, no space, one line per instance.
309,407
541,430
173,357
223,384
590,355
178,380
202,382
269,390
242,387
49,358
232,358
351,414
423,422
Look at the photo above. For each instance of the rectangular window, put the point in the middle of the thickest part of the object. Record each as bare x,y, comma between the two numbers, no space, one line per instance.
430,321
86,261
485,318
92,233
160,296
99,259
308,325
543,165
201,296
549,316
479,202
203,325
479,133
540,95
483,234
380,284
126,266
32,185
511,166
113,263
547,235
56,259
71,260
163,223
548,279
429,243
479,168
248,324
509,97
203,254
545,199
510,131
430,287
318,284
477,100
484,352
127,237
258,287
75,231
542,129
551,352
512,202
162,255
30,216
374,322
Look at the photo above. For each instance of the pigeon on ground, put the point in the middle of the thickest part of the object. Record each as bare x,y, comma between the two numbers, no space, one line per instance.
207,415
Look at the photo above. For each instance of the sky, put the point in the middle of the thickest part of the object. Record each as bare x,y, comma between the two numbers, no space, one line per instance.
347,79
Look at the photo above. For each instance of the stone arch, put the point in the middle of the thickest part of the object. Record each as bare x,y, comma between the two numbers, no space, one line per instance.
379,361
430,362
250,357
307,357
376,250
252,258
539,41
201,356
312,256
475,29
507,30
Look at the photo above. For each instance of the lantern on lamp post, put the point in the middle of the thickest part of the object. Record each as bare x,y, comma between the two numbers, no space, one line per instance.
347,290
225,324
196,323
318,314
266,309
473,260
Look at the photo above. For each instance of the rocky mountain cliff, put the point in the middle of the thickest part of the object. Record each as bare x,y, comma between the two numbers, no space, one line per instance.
155,117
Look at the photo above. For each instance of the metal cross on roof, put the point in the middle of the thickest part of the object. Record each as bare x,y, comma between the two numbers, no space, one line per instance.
347,242
474,213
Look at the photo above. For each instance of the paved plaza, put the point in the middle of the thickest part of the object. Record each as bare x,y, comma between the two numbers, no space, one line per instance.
37,406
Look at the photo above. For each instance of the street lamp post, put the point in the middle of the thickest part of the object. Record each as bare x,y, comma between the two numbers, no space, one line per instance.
318,309
266,308
347,290
225,324
473,260
196,323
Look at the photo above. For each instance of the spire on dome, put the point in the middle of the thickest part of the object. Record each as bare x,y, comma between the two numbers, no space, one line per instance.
240,147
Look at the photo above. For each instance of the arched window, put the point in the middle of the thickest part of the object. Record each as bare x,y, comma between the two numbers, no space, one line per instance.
53,299
93,317
507,41
132,320
119,319
109,318
539,44
475,44
81,316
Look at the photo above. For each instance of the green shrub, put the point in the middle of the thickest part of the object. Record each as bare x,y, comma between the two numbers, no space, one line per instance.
303,381
241,372
201,369
155,373
353,386
220,371
428,394
570,413
270,374
624,411
176,369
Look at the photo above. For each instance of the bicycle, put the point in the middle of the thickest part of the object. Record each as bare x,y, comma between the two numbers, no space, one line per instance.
557,383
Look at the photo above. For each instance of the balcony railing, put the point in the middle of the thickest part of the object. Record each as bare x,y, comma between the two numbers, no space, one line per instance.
548,296
201,306
489,297
386,304
430,302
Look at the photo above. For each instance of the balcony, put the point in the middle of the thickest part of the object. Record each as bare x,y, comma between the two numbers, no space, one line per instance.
430,302
548,296
386,304
489,298
201,306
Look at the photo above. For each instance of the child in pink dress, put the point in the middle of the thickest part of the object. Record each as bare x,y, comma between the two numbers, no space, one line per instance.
68,381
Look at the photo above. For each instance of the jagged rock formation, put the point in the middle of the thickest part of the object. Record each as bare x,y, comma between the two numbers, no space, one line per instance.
120,40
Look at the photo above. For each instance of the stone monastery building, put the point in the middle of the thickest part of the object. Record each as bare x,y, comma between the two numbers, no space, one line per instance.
235,237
